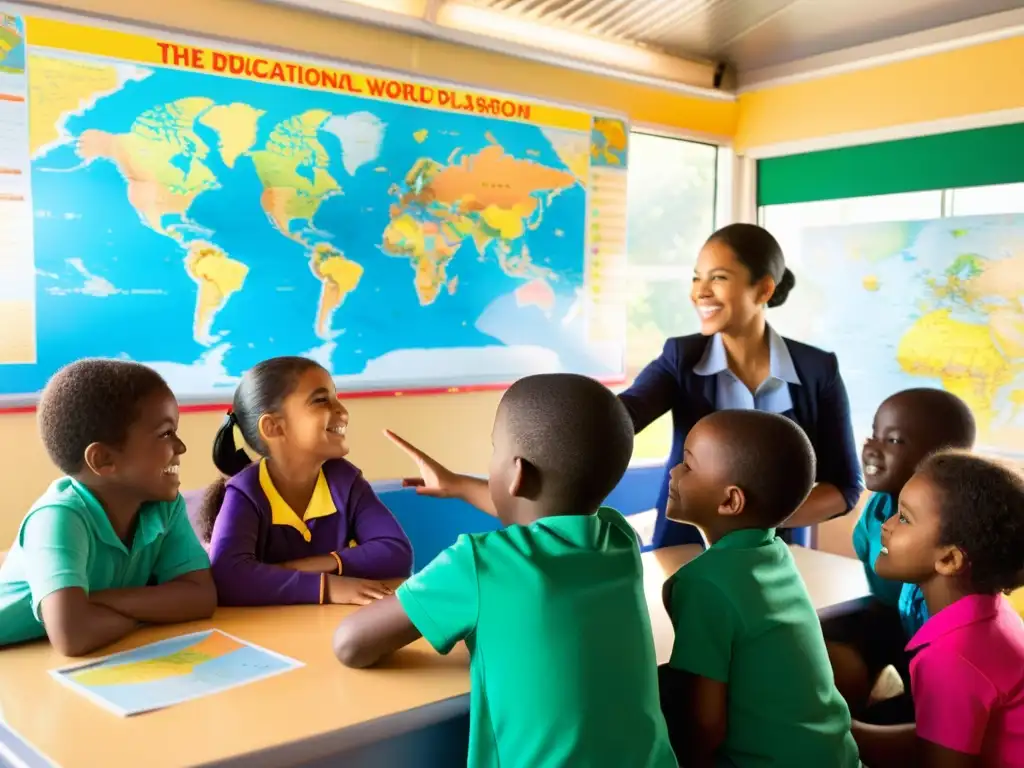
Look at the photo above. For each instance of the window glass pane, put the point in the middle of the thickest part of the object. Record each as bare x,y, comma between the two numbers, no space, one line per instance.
671,212
787,221
671,202
979,201
800,318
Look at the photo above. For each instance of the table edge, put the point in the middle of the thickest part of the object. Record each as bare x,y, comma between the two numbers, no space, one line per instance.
347,738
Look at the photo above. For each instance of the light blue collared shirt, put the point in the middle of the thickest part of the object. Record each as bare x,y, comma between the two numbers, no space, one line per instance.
773,394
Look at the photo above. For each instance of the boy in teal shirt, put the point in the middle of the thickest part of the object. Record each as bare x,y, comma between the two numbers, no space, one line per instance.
908,427
109,546
551,607
749,682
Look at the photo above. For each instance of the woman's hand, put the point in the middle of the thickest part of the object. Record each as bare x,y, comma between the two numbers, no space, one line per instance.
342,590
435,479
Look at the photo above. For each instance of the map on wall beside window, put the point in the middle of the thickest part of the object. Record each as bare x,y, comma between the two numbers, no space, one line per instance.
937,303
199,208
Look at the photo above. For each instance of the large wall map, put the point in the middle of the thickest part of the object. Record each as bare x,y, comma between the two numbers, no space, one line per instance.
199,209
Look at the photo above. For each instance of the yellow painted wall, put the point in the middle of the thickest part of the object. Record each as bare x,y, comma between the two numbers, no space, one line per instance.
968,81
456,427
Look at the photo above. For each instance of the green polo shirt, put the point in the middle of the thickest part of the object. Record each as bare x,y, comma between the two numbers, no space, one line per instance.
66,540
562,656
743,617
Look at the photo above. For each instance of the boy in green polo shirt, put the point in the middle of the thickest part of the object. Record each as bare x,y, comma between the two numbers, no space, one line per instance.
749,681
109,546
552,606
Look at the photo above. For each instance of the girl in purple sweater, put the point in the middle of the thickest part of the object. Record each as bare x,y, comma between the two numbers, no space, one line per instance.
301,525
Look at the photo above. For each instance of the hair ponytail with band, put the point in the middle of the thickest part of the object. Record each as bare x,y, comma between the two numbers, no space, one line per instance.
262,390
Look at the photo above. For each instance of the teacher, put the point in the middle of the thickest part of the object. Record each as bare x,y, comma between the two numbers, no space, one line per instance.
738,361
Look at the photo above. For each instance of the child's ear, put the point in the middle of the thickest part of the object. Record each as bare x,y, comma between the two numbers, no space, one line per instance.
99,459
524,481
952,561
734,502
270,427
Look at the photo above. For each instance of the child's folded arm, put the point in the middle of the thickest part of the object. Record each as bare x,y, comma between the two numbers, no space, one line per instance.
55,541
184,588
240,577
76,626
189,597
382,549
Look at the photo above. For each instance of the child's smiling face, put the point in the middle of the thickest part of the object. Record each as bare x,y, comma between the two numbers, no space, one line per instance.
901,438
149,461
312,420
911,548
699,490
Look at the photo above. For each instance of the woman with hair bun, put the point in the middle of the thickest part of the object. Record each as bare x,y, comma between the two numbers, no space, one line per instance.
738,361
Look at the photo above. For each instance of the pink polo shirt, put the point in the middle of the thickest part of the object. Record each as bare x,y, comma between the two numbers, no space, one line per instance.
967,678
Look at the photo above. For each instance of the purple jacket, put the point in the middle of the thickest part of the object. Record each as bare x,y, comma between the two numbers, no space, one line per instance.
246,543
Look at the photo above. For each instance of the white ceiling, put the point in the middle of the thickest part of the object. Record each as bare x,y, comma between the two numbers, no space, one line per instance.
677,42
749,34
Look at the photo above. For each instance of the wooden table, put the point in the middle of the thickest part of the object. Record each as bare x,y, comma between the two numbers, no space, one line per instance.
306,715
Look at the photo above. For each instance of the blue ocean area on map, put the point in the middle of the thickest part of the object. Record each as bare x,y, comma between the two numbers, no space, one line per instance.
172,671
506,301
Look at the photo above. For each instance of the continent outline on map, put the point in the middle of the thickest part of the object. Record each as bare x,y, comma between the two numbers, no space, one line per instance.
192,144
164,165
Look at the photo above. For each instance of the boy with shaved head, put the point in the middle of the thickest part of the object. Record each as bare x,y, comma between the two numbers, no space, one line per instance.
552,606
749,681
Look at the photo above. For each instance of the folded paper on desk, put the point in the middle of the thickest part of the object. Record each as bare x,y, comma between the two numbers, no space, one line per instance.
172,671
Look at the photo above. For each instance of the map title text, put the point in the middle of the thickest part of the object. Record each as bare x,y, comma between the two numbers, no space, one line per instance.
389,89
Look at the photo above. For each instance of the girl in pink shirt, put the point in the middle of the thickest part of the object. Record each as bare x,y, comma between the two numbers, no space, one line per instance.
958,533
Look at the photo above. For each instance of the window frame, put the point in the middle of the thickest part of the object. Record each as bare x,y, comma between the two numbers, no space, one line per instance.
724,201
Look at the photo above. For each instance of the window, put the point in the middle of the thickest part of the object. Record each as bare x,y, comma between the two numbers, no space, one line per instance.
787,222
905,301
671,212
979,201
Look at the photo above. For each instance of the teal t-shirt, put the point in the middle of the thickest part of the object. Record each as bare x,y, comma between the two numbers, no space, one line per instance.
743,617
867,542
562,664
66,540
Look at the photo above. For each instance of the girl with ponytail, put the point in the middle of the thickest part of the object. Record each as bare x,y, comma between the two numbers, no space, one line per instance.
301,524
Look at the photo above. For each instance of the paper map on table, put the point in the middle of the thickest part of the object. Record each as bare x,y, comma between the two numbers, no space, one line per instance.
172,671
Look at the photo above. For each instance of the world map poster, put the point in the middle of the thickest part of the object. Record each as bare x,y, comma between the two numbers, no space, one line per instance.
172,671
199,208
933,303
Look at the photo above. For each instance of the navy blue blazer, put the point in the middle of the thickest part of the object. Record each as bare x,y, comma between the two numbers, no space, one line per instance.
820,406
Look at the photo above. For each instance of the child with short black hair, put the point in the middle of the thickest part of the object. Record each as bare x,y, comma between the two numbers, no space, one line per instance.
958,534
908,426
87,552
301,525
552,606
749,682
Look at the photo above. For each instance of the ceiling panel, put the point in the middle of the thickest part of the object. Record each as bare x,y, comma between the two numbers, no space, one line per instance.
811,27
748,34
